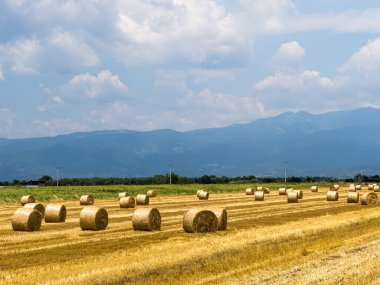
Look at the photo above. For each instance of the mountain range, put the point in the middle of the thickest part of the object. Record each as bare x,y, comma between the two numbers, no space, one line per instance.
334,144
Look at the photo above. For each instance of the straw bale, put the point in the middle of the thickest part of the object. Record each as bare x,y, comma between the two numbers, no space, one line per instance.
146,219
55,213
151,193
142,199
353,197
282,191
314,188
370,199
292,197
123,194
259,195
27,199
198,220
249,191
26,219
203,195
93,218
221,215
332,196
37,206
86,200
127,202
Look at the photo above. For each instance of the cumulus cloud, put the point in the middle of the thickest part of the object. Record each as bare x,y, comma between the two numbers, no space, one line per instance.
289,54
104,84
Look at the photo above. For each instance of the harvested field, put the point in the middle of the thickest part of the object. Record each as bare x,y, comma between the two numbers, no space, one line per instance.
267,242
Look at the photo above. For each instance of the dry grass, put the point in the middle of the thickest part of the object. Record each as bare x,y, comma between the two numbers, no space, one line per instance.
271,242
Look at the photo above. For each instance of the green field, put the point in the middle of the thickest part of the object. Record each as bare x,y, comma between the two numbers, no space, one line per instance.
51,193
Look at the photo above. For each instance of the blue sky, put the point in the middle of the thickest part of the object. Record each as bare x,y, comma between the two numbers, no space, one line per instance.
76,65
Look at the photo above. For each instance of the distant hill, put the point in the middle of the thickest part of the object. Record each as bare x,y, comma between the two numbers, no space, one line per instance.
339,144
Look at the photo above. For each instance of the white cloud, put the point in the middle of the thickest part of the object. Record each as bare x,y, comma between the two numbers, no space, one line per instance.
365,63
104,84
1,74
6,122
201,76
289,54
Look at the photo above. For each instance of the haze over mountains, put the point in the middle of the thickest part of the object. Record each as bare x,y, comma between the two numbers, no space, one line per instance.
339,144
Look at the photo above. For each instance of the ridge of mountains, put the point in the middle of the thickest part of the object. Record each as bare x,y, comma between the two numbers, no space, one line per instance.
334,144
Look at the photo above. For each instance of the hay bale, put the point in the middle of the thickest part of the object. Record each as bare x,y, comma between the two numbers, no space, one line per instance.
221,216
266,190
203,195
358,187
288,190
370,199
37,206
314,188
93,218
259,195
335,187
151,193
26,219
299,193
55,213
198,220
352,188
146,219
332,196
86,200
123,194
353,197
127,202
292,197
27,199
249,191
376,188
142,199
370,186
282,191
200,191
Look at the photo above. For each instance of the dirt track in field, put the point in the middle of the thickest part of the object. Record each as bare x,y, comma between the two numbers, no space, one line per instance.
269,242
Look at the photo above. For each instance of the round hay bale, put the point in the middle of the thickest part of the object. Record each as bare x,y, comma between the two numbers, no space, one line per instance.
358,187
370,199
123,194
27,199
93,218
299,193
203,195
332,196
288,190
200,221
146,219
127,202
376,188
352,188
151,193
335,187
86,200
353,197
249,191
282,191
265,190
259,195
37,206
221,215
370,186
55,213
26,219
200,191
142,199
314,188
292,197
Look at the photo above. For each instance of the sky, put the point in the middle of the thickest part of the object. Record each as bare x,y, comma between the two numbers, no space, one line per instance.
82,65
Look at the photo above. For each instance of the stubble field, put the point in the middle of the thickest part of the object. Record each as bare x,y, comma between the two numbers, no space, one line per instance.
270,242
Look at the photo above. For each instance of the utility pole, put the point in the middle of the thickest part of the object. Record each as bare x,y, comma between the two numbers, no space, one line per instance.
285,162
170,174
57,169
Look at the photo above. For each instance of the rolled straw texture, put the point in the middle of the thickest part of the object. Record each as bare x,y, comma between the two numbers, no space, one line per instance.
151,193
146,219
127,202
86,200
37,206
259,195
353,197
27,199
314,188
203,195
249,191
142,199
370,199
123,194
26,219
200,221
292,197
221,215
55,213
93,218
282,191
332,196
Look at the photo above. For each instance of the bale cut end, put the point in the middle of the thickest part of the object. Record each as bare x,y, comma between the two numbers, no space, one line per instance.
93,218
200,221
